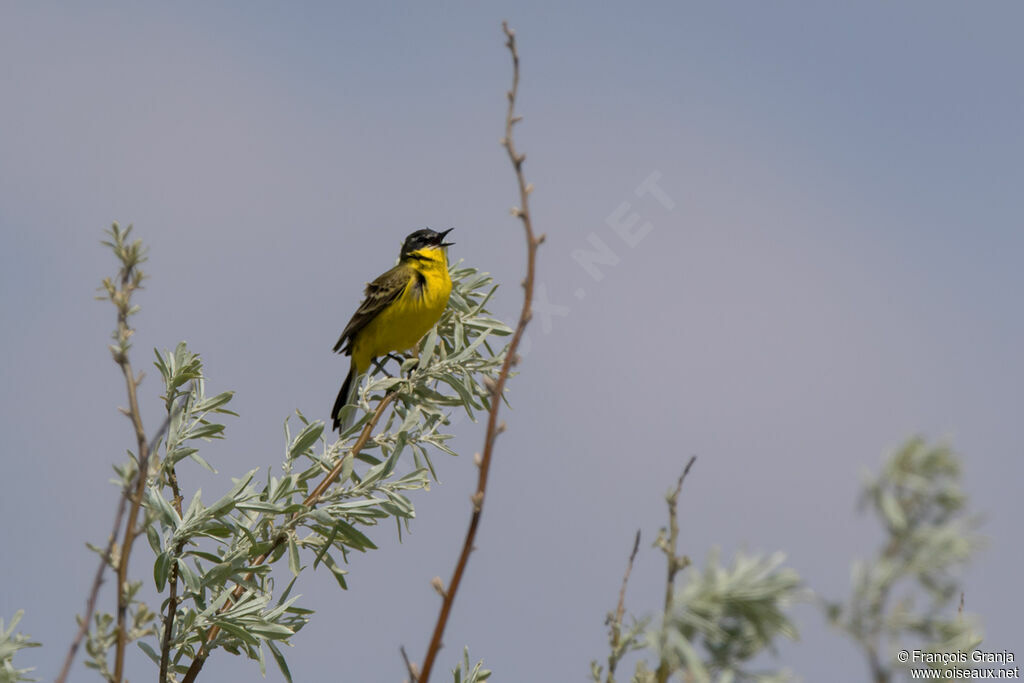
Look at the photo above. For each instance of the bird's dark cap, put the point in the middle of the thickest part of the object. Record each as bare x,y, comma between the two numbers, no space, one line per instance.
425,238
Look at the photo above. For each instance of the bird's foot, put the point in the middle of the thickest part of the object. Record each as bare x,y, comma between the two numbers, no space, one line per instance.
379,363
380,366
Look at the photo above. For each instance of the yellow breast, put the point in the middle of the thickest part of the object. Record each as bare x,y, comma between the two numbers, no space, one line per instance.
418,308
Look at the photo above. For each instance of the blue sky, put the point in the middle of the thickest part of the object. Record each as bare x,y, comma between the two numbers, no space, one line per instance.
840,269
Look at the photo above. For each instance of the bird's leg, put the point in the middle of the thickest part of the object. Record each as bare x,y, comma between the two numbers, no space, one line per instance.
415,353
379,363
380,366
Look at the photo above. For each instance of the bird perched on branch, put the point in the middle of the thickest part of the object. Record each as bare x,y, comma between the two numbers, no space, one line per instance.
399,308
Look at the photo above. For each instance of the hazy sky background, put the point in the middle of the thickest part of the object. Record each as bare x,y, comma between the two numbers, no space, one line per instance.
841,269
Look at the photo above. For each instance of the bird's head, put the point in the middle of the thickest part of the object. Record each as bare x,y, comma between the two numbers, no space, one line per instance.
424,240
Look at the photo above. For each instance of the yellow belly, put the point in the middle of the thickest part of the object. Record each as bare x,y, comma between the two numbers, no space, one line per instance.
404,322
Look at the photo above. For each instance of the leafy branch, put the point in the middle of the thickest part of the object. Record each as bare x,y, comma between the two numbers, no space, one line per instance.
11,642
283,536
264,526
714,624
919,499
213,563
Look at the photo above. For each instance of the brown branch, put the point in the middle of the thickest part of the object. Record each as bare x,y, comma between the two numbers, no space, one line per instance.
311,500
130,531
172,598
105,561
616,625
675,562
364,436
498,387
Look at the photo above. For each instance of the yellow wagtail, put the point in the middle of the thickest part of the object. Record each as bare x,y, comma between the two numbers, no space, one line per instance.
400,307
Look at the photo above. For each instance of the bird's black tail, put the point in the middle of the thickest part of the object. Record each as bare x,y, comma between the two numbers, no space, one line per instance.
346,396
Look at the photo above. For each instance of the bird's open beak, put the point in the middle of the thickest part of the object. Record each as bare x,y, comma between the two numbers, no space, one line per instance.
442,234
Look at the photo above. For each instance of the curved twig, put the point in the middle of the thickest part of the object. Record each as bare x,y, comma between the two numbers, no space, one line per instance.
676,563
620,610
498,387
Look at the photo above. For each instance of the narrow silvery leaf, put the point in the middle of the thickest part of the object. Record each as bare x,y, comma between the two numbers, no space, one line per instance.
150,652
153,536
427,352
163,509
281,663
306,438
190,578
195,506
294,563
161,568
201,462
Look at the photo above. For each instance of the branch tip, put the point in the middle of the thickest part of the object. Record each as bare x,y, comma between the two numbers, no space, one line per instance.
414,673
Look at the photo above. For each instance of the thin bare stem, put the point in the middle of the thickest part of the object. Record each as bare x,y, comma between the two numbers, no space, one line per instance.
675,562
498,387
311,500
409,666
105,561
130,530
616,625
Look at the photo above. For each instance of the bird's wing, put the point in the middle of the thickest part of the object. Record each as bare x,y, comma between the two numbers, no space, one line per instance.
379,294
